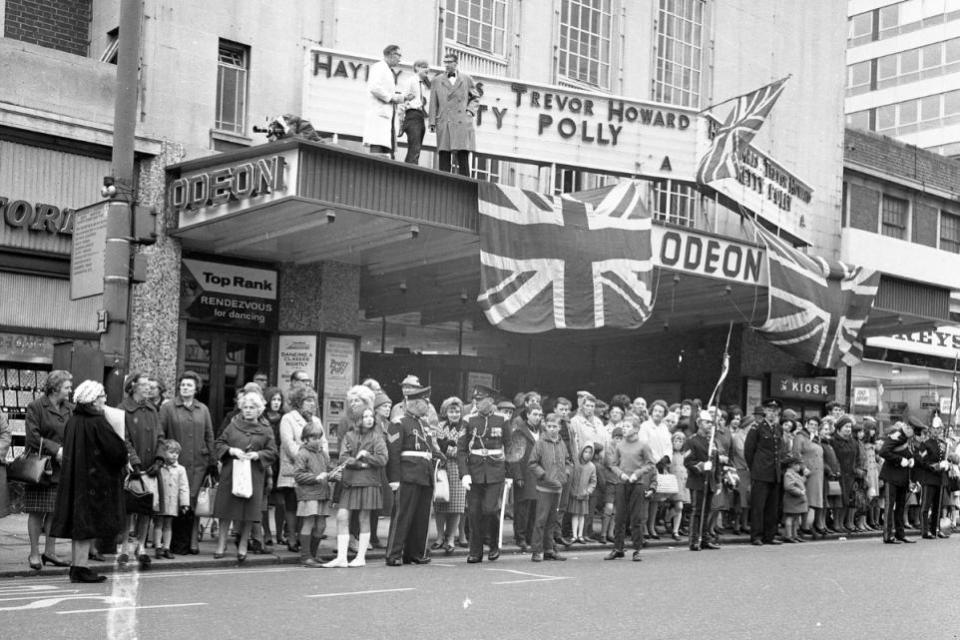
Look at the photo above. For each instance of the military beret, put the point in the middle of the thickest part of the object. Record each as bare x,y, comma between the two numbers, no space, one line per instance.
483,391
772,403
916,423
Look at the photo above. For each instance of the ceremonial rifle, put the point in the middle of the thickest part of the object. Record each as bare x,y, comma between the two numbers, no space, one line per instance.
724,370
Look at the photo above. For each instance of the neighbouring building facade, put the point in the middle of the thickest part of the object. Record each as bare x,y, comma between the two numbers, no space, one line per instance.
319,256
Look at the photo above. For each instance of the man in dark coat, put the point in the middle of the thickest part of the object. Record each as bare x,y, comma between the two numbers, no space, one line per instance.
763,451
898,463
143,433
412,449
525,433
482,463
703,476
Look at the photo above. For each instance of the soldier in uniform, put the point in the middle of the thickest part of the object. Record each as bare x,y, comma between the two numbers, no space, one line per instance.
412,449
930,470
763,450
897,464
482,465
703,477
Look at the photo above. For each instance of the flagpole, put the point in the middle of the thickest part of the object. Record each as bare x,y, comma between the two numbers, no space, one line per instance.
746,93
724,369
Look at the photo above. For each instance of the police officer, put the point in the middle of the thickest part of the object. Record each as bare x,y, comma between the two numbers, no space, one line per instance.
412,448
482,471
763,451
930,470
898,462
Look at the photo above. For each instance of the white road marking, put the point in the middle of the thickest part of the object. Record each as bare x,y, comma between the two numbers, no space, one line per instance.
533,580
35,596
358,593
30,588
215,572
146,606
49,602
522,573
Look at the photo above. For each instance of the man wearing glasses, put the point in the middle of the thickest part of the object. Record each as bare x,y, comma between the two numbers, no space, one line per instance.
454,99
380,126
299,379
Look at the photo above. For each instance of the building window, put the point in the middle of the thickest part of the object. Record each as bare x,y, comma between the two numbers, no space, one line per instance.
569,180
485,168
481,24
674,202
678,39
233,64
585,27
893,221
949,232
859,77
110,50
931,61
860,29
859,120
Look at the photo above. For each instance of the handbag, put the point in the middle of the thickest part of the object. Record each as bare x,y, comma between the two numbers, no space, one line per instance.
137,497
833,488
242,485
667,484
441,485
31,467
206,498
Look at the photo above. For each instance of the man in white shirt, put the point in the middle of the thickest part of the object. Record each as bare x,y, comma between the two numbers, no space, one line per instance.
415,110
656,434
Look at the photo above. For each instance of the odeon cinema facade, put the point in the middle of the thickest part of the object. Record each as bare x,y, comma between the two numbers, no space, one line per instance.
318,256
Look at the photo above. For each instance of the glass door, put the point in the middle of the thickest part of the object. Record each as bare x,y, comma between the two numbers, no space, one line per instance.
224,361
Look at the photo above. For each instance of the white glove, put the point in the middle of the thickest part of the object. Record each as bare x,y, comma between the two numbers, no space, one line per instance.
466,482
708,465
394,485
944,465
905,463
911,463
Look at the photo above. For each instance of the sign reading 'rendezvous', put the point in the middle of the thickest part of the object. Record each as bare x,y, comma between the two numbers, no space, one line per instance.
87,252
229,294
529,122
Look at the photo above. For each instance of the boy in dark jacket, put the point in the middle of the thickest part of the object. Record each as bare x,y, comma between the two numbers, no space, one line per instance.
551,464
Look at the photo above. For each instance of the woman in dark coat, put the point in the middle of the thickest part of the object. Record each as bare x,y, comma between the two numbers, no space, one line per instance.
848,457
831,471
187,420
46,419
245,438
89,502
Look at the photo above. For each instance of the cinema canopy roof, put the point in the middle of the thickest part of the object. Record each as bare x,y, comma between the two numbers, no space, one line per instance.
414,232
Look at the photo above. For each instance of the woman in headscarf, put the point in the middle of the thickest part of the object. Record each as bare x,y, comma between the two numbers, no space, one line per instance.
89,502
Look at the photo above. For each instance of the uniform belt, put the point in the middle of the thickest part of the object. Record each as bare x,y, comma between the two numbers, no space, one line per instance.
416,454
486,452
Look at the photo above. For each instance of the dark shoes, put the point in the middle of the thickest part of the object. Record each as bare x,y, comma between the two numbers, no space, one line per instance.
421,560
537,557
757,542
474,559
636,556
613,555
891,541
144,561
85,574
712,546
493,555
906,540
54,560
96,556
554,556
394,562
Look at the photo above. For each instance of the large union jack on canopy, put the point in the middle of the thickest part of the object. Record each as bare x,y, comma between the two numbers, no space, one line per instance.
561,263
817,307
745,119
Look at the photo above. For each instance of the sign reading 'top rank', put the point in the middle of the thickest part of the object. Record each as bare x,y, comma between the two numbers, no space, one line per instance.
533,123
229,295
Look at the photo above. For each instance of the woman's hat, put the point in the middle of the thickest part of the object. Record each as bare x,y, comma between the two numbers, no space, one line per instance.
381,398
789,414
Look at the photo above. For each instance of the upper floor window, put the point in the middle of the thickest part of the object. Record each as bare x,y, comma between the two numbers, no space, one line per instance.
585,27
894,215
481,24
859,77
949,232
232,66
674,202
860,28
679,37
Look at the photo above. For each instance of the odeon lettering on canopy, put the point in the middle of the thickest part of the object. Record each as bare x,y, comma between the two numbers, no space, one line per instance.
219,186
709,256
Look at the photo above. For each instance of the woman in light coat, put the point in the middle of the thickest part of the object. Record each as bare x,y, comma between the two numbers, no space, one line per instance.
303,405
806,447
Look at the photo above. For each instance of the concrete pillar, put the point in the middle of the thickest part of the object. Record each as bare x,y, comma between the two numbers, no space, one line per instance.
323,296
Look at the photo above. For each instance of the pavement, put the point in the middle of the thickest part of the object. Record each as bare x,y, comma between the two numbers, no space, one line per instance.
15,547
825,589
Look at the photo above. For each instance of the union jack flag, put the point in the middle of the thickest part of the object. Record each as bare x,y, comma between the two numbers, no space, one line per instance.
745,119
564,263
817,307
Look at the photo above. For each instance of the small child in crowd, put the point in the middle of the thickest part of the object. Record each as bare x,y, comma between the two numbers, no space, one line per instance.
794,498
609,486
174,493
582,485
310,472
678,469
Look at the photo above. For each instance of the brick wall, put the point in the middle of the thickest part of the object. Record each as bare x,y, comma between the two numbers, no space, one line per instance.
900,159
57,24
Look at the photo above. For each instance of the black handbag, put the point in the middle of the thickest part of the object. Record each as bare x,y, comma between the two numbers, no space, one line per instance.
136,496
31,467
